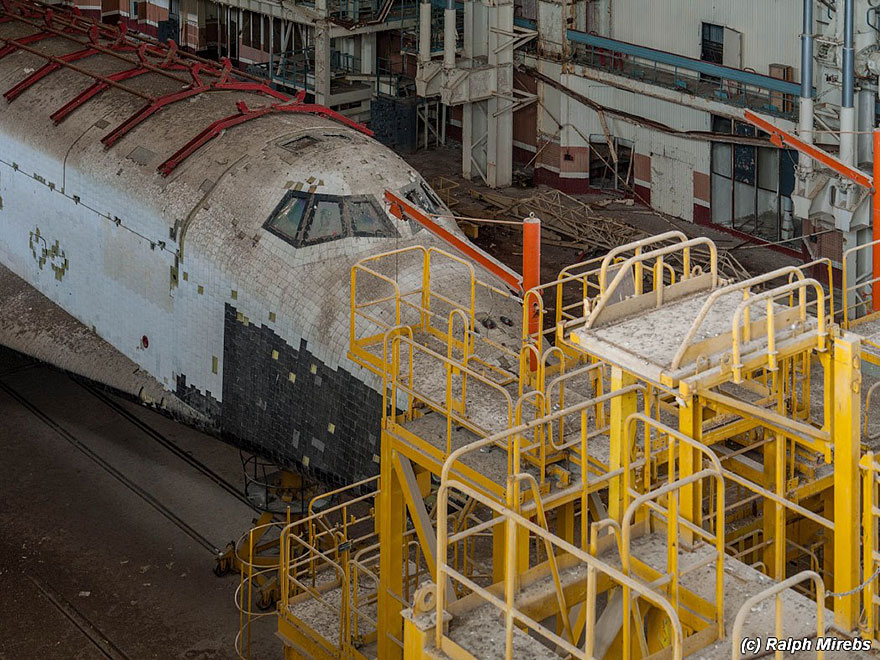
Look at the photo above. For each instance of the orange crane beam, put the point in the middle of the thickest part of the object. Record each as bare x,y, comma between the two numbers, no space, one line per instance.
782,138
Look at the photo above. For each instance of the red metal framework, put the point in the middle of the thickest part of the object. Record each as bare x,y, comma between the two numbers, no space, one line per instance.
150,57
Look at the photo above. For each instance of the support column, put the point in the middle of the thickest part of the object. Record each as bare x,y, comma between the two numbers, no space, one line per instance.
847,109
424,32
322,62
846,436
368,53
392,522
499,143
467,138
805,110
449,36
690,423
621,408
499,552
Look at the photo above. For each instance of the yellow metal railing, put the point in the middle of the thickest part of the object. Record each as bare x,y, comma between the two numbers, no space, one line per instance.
676,444
862,291
514,617
741,326
253,572
447,399
870,549
331,544
741,334
399,288
634,264
776,591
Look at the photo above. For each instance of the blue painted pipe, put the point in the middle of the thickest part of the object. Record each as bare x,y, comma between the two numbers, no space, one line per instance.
687,63
807,51
848,55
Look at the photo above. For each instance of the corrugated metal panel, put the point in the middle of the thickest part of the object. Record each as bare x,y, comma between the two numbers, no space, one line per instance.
770,28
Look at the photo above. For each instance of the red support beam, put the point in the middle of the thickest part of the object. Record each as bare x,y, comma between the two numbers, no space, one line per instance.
15,91
244,114
400,209
324,111
12,46
532,279
93,90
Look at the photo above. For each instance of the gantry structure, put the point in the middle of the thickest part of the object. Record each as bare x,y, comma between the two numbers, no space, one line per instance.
648,461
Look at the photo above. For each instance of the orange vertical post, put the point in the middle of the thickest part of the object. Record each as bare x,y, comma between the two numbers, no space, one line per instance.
532,277
875,207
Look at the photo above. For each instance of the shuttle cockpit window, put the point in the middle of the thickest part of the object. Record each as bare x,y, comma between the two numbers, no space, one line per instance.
421,196
304,218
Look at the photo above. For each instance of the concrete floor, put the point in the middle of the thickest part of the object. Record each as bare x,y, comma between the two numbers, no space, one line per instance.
82,556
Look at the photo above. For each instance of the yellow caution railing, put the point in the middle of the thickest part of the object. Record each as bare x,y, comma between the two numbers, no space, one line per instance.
412,378
742,326
775,591
327,568
862,291
429,291
673,489
870,548
506,599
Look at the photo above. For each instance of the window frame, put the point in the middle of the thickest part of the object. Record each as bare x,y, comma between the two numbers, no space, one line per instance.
301,240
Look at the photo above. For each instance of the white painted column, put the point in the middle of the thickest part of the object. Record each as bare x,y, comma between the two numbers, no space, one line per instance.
322,62
467,139
499,145
449,37
424,32
368,53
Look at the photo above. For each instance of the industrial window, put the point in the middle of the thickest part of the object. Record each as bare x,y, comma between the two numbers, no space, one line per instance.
712,48
303,218
712,45
751,186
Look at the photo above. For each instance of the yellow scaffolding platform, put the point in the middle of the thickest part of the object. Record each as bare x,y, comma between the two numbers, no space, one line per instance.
667,452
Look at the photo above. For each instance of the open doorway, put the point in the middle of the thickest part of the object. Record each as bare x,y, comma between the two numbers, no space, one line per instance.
610,163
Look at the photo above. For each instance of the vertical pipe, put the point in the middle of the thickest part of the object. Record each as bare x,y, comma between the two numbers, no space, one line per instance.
875,206
805,114
424,32
449,35
532,278
847,111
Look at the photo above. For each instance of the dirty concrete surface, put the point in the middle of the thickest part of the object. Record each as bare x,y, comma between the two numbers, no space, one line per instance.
82,556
